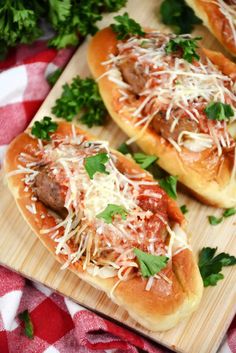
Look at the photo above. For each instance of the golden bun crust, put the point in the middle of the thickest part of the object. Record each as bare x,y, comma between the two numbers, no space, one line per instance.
206,174
163,306
215,21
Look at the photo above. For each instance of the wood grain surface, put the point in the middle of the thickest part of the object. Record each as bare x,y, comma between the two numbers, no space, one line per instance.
21,251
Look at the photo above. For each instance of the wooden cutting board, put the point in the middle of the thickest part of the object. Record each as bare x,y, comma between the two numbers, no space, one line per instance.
21,251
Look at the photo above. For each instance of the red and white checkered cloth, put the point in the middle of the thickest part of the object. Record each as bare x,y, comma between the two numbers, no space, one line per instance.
60,326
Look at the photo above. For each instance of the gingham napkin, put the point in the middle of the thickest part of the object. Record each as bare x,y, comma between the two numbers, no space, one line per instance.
60,326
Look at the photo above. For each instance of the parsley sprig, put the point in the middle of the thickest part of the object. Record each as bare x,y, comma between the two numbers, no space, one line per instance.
210,266
219,111
81,96
213,220
126,26
28,325
184,209
43,128
71,20
150,264
179,16
96,164
112,210
169,184
144,160
188,47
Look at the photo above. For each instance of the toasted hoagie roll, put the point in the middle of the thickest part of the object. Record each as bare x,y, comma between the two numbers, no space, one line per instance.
159,96
108,221
219,16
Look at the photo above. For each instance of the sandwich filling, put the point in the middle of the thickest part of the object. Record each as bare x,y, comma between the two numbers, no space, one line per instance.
104,208
162,91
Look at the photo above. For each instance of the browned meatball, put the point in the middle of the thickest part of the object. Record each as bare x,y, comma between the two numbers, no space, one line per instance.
162,126
50,192
133,75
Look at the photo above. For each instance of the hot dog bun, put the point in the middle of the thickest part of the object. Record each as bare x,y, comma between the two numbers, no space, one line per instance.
209,177
158,309
216,21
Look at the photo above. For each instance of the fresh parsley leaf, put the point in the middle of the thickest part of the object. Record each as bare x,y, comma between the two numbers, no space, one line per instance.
96,164
215,220
112,210
150,264
188,47
42,128
28,325
124,149
81,96
212,280
179,16
183,209
219,111
229,212
126,27
169,185
144,160
54,76
210,265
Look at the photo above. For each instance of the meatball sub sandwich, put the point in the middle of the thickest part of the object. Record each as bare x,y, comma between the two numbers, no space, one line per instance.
220,17
176,101
108,221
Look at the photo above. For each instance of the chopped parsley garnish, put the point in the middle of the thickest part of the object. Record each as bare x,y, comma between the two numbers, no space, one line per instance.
210,267
96,164
126,27
169,185
179,16
215,220
54,76
144,160
184,209
188,47
81,96
28,326
229,212
150,264
112,210
219,111
42,128
124,148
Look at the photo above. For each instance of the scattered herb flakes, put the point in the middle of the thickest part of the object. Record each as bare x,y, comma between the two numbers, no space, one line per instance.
184,209
229,212
215,220
28,325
